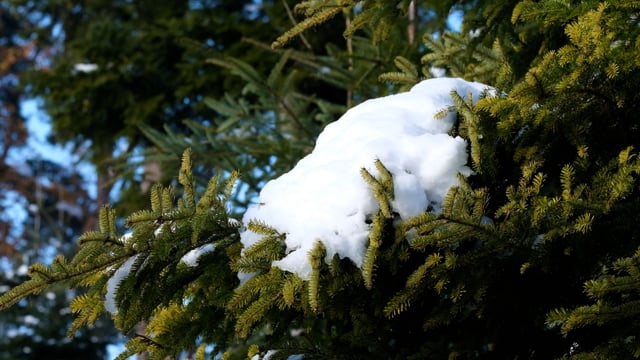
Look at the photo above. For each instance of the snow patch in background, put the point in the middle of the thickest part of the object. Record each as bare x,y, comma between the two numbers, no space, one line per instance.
324,196
85,67
269,354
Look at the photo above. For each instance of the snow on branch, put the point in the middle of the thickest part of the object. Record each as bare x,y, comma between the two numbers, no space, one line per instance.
325,198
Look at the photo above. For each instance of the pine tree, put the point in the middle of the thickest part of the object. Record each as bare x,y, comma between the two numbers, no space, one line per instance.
499,272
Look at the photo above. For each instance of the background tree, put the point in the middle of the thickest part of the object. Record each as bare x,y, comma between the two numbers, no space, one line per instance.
555,172
156,80
42,211
129,65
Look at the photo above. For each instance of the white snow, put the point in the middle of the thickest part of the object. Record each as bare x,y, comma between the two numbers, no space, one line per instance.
125,238
158,231
85,68
114,282
161,229
191,258
270,353
324,196
266,356
437,71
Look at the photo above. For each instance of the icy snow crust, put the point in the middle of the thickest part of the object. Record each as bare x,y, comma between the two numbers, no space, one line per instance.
324,196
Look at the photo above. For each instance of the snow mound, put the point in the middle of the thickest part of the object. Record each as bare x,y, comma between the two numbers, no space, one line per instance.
324,196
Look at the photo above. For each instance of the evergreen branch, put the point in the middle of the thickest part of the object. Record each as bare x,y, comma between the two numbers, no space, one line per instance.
201,352
210,196
398,78
607,285
369,261
406,67
400,302
316,19
316,259
143,216
386,180
257,309
156,199
416,277
476,227
294,22
29,287
246,293
136,345
255,82
43,277
106,221
382,189
292,287
259,256
185,178
314,62
96,236
87,308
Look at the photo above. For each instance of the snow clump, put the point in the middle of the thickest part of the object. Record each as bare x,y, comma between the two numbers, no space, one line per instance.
114,282
85,68
191,258
324,196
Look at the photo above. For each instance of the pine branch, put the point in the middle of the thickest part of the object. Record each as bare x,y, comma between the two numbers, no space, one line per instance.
316,259
42,277
317,18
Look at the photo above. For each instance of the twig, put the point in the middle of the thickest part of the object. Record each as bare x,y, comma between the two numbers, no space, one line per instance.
293,20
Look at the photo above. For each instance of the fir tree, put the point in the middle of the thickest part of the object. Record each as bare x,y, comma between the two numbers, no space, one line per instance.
498,272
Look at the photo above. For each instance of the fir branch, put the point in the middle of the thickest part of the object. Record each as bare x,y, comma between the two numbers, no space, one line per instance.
294,22
268,288
42,277
399,78
246,293
291,289
32,286
138,344
87,308
143,216
382,189
309,22
259,256
185,178
417,276
97,236
400,302
106,221
370,255
316,259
